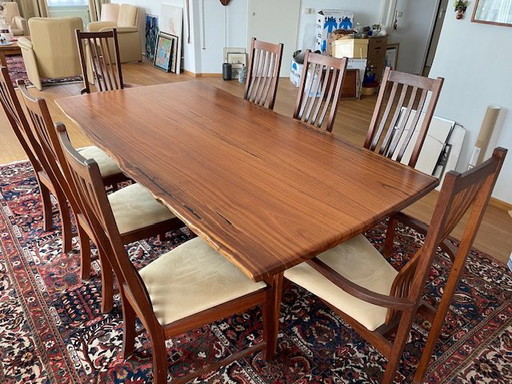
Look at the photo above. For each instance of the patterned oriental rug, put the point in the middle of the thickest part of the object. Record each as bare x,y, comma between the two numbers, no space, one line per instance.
17,70
52,329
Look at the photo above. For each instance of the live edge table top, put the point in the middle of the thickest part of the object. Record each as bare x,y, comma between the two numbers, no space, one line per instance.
265,190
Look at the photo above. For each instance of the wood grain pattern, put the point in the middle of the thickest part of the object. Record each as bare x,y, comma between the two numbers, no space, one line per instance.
265,190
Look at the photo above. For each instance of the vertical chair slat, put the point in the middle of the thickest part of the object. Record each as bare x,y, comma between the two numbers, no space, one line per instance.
102,57
320,89
408,114
263,73
404,114
396,115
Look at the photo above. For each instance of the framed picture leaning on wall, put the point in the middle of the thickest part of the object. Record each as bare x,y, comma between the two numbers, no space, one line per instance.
164,52
392,55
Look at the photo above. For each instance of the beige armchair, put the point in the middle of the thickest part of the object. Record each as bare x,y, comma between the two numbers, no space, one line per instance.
124,18
11,14
52,51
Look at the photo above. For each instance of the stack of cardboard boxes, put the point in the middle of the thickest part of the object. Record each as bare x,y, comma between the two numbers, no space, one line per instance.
361,52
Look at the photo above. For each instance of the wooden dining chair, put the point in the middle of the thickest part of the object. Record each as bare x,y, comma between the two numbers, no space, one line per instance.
405,105
190,286
138,215
359,284
320,89
100,60
263,73
45,178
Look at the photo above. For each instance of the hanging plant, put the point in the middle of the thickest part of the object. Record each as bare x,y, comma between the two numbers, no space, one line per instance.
460,8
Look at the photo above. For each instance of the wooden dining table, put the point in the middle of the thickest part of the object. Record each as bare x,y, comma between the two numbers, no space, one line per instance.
265,190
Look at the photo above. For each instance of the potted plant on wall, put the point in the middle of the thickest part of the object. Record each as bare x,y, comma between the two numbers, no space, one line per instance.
460,8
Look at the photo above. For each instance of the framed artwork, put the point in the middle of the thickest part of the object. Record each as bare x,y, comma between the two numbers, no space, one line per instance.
498,12
229,50
237,58
237,61
392,55
174,53
151,36
163,52
171,23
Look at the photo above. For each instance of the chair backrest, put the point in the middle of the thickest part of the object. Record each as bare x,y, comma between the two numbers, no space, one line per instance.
19,124
87,181
109,12
99,52
459,192
403,99
54,45
263,73
127,16
320,89
46,136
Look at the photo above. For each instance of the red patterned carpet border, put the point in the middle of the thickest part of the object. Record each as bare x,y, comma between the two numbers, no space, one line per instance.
52,329
17,70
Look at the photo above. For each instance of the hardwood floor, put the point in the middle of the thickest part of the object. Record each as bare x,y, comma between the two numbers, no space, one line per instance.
352,122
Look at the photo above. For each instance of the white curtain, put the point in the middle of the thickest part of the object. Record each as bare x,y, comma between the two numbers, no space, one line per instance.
95,8
33,8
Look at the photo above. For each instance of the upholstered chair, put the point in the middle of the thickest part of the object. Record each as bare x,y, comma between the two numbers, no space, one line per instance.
11,15
123,17
51,51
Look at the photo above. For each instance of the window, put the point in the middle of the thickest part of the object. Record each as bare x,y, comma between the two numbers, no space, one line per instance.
67,3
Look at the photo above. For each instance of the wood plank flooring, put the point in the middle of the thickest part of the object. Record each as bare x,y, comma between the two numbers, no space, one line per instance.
494,237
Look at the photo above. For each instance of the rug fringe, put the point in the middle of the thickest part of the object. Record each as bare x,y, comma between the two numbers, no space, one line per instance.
14,162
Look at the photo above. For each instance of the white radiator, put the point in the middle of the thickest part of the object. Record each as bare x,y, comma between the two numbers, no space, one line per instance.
81,11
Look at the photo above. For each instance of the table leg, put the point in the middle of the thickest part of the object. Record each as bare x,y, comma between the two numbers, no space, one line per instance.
3,62
273,312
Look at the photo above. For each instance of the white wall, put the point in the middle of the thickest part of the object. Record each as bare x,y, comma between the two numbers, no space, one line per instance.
475,60
205,55
152,7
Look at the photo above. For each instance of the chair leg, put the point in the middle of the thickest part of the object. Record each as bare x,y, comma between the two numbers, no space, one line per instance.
65,219
160,364
390,236
440,316
128,327
401,337
107,283
271,313
47,207
85,253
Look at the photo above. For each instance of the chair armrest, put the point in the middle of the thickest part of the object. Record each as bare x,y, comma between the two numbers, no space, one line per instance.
387,301
21,23
96,26
121,30
24,43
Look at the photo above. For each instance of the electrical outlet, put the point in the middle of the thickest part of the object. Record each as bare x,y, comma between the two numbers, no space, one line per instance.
309,11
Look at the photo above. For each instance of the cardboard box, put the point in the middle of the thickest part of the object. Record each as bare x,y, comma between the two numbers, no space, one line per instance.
352,48
327,21
295,72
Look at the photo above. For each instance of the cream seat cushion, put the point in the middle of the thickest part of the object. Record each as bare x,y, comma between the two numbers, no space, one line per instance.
191,278
108,167
358,261
134,207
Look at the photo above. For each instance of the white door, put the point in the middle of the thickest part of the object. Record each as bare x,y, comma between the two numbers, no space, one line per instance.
415,22
275,22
